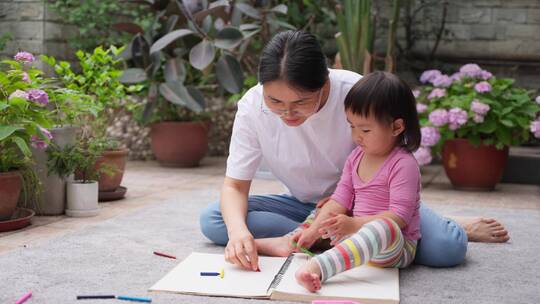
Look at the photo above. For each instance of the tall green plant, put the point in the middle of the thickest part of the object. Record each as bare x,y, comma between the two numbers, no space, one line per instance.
356,36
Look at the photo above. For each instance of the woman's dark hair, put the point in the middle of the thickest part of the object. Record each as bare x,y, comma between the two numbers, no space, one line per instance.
386,97
295,57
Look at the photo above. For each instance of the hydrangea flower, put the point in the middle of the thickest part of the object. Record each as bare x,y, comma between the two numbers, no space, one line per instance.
25,77
477,118
429,75
416,93
537,100
456,76
470,70
485,75
430,136
24,57
19,94
421,108
438,117
456,118
479,108
482,87
423,156
442,81
38,96
535,128
437,93
39,143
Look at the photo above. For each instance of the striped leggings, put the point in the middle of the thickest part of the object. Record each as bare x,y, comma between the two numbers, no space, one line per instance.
379,243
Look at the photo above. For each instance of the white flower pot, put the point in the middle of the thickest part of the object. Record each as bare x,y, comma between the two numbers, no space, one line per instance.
82,199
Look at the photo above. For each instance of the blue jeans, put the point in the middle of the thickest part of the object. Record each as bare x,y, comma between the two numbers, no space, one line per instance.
443,243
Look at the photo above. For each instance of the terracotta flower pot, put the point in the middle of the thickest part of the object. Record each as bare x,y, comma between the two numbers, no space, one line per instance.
10,189
473,168
179,144
115,161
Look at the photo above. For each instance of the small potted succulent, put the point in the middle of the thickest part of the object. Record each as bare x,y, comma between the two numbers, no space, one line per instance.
81,193
471,117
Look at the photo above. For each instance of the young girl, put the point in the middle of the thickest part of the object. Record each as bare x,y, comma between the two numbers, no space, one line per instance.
380,186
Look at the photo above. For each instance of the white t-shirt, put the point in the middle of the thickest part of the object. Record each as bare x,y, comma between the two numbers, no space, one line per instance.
307,159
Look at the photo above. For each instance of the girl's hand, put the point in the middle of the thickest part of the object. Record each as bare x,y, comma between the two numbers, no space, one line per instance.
339,226
305,238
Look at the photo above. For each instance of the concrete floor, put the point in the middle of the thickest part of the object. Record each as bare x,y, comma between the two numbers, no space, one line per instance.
149,184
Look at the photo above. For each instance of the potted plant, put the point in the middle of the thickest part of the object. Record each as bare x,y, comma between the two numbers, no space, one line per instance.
24,121
99,78
81,193
472,117
187,49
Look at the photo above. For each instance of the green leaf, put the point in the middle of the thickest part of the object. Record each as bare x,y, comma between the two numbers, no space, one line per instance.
175,70
3,106
133,75
281,9
168,39
202,54
23,146
177,93
248,10
228,38
229,74
6,131
507,123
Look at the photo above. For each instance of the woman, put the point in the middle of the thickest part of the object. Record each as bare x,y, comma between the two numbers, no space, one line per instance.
295,120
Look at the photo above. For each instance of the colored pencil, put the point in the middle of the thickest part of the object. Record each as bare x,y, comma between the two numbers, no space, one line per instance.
164,255
125,298
24,298
89,297
303,249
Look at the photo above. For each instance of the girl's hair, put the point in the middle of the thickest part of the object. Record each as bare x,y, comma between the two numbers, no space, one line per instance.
295,57
387,98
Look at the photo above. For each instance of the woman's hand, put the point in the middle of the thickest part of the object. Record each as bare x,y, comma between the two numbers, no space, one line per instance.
242,251
339,226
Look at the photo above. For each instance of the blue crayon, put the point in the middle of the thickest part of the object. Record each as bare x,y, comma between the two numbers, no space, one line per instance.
220,274
134,299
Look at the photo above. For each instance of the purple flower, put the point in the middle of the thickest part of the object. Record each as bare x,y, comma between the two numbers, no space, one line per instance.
482,87
437,93
456,76
421,108
38,96
39,143
442,81
416,93
24,57
456,118
18,94
479,108
535,128
478,118
438,117
470,70
423,156
430,136
537,100
25,77
429,75
485,75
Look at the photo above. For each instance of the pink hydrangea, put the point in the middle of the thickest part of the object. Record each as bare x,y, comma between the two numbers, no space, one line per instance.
456,118
38,96
477,118
39,143
437,93
537,100
24,57
482,87
18,94
430,136
25,77
416,93
438,117
456,76
423,156
421,108
470,70
485,75
479,108
535,128
429,75
442,81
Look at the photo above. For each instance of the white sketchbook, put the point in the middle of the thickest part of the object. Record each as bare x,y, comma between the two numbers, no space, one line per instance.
366,284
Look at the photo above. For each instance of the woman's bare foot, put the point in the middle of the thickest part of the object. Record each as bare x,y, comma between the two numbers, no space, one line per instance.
484,230
278,246
309,276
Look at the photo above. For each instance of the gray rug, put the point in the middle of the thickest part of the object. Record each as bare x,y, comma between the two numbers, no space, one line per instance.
116,257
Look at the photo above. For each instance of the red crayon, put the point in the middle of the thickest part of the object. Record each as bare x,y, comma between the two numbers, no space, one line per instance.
164,255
